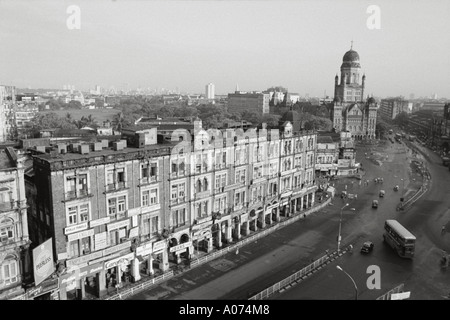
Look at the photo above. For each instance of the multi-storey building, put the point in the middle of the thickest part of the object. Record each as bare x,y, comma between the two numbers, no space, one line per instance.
257,102
209,91
327,155
141,206
14,241
7,103
349,110
391,108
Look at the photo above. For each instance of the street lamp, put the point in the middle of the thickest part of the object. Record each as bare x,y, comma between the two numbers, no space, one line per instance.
354,283
340,222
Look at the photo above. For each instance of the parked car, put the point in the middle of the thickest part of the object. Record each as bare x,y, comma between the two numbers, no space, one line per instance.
367,247
382,193
375,204
396,188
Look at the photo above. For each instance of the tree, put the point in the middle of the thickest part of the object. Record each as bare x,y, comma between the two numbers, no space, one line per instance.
272,120
381,128
73,104
251,116
317,123
49,121
402,119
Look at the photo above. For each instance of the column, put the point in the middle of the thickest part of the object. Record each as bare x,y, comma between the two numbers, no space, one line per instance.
82,290
164,264
178,257
277,214
100,279
210,244
247,228
313,195
238,230
228,230
263,219
150,270
219,236
135,274
301,203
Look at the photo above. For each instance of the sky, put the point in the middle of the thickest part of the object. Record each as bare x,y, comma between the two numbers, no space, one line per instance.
404,46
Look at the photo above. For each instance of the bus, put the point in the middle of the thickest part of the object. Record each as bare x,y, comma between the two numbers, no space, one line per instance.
399,238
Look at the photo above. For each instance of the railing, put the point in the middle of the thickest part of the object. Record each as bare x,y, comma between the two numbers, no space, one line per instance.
387,295
299,275
142,286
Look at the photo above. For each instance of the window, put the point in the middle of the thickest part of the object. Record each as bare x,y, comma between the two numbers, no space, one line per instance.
221,180
115,178
117,207
8,271
77,214
149,197
117,236
273,169
149,172
239,198
219,204
154,225
6,230
257,172
240,176
179,217
298,161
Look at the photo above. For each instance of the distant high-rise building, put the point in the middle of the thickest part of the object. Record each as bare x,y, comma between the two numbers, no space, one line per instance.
209,91
257,102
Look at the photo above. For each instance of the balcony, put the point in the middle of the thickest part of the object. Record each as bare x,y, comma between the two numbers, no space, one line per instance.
7,206
77,194
111,187
149,180
177,201
202,194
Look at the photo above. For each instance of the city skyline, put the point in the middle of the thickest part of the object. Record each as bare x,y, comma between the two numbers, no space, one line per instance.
255,44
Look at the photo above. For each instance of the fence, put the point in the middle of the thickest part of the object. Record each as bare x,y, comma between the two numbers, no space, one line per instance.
387,295
144,285
199,261
306,271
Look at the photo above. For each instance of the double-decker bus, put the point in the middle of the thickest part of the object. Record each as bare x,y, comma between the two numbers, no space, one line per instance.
399,238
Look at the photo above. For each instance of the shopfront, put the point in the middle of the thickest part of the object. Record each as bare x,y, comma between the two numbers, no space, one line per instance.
46,290
82,282
120,271
160,258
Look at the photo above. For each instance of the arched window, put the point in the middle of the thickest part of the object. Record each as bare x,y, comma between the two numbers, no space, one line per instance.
199,185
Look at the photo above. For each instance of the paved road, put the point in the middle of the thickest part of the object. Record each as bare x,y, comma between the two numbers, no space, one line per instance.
422,276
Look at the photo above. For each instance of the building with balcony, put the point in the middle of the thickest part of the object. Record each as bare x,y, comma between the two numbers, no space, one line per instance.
14,239
118,210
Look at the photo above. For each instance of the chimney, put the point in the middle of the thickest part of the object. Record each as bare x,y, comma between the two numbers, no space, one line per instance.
105,143
117,145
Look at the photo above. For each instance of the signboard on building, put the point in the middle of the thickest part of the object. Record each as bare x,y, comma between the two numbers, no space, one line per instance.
100,241
43,261
158,246
181,246
80,235
145,249
133,233
46,286
400,296
117,225
99,222
121,261
76,228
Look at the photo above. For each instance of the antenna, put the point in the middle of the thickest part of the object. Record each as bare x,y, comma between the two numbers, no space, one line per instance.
351,47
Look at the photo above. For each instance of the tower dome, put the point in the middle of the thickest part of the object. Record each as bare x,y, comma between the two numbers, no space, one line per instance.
351,56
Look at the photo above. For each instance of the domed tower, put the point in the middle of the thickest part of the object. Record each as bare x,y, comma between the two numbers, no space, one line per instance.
350,88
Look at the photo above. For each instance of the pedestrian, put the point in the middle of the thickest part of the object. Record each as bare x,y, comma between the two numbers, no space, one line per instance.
443,230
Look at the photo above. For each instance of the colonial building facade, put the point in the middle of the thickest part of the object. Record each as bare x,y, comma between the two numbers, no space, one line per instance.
14,240
349,110
117,211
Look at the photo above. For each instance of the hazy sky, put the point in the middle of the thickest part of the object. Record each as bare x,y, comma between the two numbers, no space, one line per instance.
255,44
